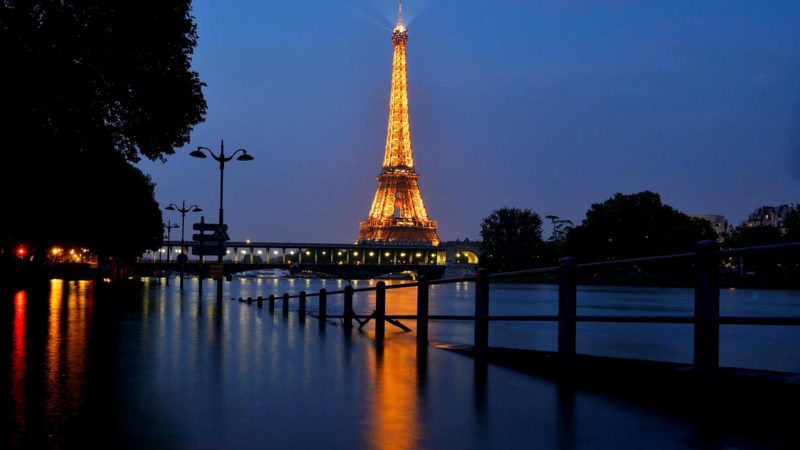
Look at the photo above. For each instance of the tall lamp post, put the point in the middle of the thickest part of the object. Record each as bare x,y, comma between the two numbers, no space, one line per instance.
222,159
182,258
170,226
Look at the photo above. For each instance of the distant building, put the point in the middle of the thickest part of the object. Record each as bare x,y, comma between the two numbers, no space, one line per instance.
718,223
769,216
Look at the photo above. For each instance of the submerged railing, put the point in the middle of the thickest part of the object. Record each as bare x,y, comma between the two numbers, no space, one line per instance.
706,318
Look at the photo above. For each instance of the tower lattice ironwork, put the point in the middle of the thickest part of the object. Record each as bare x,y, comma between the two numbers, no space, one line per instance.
398,214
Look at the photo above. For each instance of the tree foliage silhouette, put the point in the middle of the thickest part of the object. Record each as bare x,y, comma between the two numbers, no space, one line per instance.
792,225
626,226
89,87
512,239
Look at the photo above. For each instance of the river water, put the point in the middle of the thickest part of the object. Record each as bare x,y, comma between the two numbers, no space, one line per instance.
153,367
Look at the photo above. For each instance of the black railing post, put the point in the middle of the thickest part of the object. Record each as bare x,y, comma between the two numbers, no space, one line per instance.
285,311
271,303
323,307
567,307
260,301
706,306
380,310
481,309
302,309
348,308
422,311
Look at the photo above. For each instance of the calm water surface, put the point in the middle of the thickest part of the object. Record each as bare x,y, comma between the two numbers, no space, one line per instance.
156,368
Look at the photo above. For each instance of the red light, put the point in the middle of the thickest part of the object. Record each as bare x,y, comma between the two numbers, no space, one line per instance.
21,251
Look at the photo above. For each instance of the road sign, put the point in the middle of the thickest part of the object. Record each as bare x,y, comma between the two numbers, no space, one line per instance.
204,237
202,226
215,270
221,235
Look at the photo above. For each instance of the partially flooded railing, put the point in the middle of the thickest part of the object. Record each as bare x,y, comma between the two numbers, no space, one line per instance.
706,318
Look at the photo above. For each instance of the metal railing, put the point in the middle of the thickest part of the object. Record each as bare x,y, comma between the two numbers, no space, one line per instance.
706,318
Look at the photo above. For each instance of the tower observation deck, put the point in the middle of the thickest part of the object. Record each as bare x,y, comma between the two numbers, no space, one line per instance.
398,215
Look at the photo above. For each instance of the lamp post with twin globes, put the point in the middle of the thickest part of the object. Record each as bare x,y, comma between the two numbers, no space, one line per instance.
182,258
222,159
169,226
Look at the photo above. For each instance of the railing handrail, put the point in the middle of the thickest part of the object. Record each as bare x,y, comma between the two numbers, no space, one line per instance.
581,266
706,318
757,248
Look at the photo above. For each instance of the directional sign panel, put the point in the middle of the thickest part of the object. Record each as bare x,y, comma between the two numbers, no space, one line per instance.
223,235
202,226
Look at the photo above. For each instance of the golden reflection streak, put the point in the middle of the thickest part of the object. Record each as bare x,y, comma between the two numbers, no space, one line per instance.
394,422
54,343
18,364
66,348
77,330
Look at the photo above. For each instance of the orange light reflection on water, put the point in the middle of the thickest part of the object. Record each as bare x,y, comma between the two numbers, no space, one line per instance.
68,317
54,344
394,423
77,325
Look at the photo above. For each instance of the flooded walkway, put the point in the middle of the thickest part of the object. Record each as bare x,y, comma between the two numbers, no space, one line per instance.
153,368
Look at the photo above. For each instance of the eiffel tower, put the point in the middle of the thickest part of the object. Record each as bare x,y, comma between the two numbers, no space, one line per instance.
398,214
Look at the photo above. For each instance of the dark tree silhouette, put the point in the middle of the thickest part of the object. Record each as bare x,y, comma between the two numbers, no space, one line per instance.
779,269
87,88
751,236
633,225
792,225
553,248
561,228
512,239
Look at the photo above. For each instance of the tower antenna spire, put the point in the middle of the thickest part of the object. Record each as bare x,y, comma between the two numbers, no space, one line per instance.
400,15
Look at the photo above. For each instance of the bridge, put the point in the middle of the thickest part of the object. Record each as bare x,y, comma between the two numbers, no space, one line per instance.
338,260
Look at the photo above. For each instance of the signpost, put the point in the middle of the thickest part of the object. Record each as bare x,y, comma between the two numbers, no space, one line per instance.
210,245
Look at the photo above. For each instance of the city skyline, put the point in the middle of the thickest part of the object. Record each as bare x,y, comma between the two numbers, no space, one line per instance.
547,106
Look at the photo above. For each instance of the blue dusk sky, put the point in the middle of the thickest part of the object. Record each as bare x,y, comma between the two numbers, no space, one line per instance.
550,105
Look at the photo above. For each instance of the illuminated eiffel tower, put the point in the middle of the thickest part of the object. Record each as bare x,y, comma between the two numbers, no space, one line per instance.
398,214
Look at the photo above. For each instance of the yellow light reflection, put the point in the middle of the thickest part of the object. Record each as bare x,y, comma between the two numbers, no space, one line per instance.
68,328
394,423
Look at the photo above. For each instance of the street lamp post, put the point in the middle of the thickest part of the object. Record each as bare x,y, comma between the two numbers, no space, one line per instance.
170,226
182,258
222,159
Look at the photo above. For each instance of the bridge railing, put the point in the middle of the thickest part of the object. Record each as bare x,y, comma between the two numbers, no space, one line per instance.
706,318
